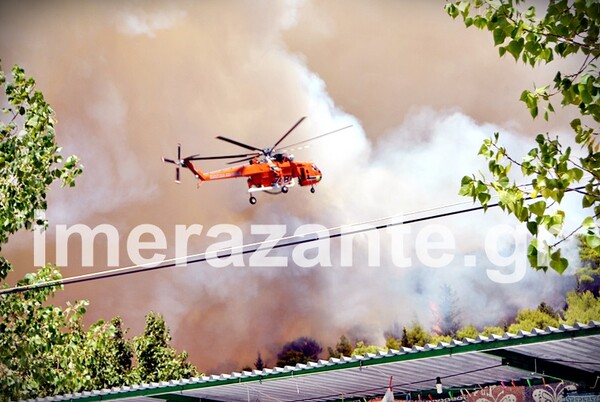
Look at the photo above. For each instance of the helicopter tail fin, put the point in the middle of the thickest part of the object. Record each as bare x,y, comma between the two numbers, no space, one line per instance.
197,172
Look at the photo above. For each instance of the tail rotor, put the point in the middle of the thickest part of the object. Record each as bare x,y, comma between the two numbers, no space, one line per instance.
177,162
179,159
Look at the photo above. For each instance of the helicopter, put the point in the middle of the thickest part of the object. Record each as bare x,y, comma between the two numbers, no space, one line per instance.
271,170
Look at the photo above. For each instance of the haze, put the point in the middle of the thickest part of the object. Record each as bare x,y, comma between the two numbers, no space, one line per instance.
129,80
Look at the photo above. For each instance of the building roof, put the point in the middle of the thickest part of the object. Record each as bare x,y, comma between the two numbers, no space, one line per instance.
567,353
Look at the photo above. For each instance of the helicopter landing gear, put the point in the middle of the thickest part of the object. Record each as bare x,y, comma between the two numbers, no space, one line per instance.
252,200
284,189
312,189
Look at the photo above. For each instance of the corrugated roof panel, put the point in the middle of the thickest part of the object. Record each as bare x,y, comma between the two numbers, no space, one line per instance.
459,363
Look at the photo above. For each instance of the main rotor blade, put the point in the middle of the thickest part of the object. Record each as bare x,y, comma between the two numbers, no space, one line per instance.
288,133
239,144
319,136
197,157
242,160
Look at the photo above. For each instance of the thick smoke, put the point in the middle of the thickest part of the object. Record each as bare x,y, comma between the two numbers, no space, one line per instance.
129,81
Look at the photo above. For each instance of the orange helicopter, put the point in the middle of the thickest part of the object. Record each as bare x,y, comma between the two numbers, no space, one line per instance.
269,169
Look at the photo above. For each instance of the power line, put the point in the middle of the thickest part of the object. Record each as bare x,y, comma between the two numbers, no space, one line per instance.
253,247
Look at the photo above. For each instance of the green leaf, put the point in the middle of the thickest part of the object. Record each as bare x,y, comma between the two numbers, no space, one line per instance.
485,151
515,47
576,174
587,201
484,198
593,241
588,223
533,253
452,10
559,264
479,22
530,13
532,226
499,36
466,190
538,208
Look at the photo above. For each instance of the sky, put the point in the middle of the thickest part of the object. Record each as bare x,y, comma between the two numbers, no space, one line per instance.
129,80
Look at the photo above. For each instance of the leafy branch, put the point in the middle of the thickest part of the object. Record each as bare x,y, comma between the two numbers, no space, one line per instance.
30,158
567,29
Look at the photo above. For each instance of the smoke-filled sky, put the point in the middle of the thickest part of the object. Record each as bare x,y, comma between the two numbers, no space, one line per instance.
129,80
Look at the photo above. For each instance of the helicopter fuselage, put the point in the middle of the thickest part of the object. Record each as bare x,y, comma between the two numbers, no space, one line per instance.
265,174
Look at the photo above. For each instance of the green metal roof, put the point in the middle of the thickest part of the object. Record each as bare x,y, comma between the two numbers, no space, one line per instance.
569,353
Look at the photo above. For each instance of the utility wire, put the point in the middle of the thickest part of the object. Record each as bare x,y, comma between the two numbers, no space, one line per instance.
291,241
227,252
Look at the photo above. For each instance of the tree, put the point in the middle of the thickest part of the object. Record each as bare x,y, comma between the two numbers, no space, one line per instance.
40,343
588,276
528,319
342,348
582,307
300,350
259,364
435,339
392,343
568,29
107,354
415,336
487,331
470,331
548,309
362,349
30,158
38,340
157,360
446,313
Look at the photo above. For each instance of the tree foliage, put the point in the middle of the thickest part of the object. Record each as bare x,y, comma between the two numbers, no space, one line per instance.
528,319
156,359
300,350
392,343
38,346
362,349
108,354
259,364
435,338
40,343
588,275
342,348
30,158
493,330
582,307
568,29
44,349
469,331
415,336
